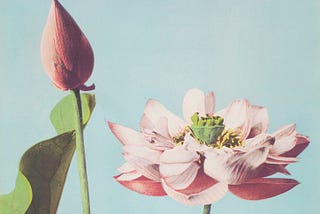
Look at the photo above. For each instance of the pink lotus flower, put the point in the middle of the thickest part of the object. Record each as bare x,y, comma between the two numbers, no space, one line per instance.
66,53
198,159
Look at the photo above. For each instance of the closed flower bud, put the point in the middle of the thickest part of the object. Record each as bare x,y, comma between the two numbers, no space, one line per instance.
65,51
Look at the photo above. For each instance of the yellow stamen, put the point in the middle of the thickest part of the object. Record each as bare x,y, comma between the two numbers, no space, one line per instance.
228,138
179,139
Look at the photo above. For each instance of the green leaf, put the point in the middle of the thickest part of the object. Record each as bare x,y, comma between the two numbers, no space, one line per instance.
18,201
46,165
62,115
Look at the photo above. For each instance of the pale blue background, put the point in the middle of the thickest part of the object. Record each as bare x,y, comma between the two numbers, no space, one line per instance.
267,51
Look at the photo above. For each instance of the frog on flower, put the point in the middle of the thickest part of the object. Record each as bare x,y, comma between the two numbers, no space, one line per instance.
197,160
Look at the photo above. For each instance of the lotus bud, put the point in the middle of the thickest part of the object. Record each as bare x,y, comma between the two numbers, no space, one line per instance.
66,54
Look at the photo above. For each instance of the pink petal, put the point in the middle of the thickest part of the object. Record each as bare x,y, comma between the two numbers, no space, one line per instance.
144,166
126,135
259,120
193,101
178,154
128,176
283,144
301,143
237,117
168,170
179,180
280,160
157,135
209,103
285,131
262,188
196,101
154,110
257,141
179,167
143,186
160,127
126,167
157,142
221,112
191,145
146,123
203,190
143,152
270,169
235,167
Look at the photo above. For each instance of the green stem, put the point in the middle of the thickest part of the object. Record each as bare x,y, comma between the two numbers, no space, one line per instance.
81,153
206,209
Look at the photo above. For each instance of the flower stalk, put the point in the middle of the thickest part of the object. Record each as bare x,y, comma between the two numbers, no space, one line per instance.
82,169
206,209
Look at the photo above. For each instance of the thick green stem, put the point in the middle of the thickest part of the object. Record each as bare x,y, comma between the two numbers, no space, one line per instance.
82,169
206,209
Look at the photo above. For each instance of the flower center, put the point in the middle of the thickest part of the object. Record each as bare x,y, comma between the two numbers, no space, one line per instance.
210,130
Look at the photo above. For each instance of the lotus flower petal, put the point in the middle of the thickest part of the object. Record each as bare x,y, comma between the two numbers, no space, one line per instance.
280,159
236,167
262,188
154,110
126,167
174,169
177,181
203,190
143,152
301,143
146,123
257,141
126,135
209,103
221,112
283,144
144,166
259,120
143,186
270,169
160,127
156,134
65,51
196,101
285,131
236,116
179,154
191,145
129,176
179,167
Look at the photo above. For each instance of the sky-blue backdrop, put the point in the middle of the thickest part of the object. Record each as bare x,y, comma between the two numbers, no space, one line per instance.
267,51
